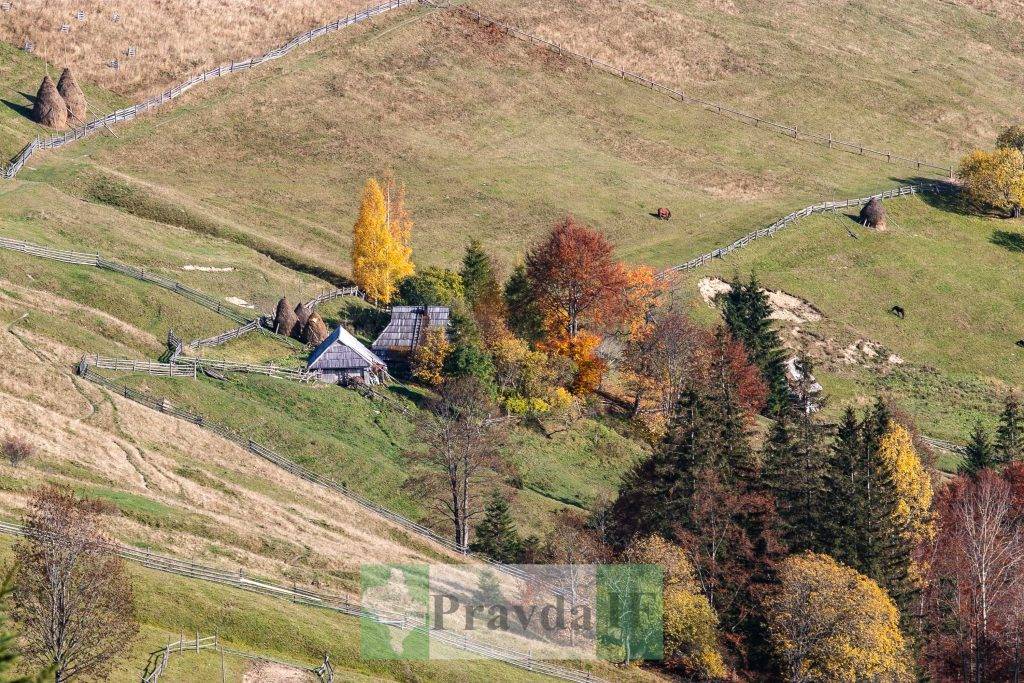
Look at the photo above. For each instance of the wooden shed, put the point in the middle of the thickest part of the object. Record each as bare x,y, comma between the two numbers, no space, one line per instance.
407,327
342,357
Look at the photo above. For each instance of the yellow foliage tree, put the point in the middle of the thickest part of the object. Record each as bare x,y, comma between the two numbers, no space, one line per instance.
690,622
995,179
381,255
429,357
400,225
827,622
912,481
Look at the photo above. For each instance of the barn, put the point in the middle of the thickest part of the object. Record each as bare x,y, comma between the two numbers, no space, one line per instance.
406,328
342,357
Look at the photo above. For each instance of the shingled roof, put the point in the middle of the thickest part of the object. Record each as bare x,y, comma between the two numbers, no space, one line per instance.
342,351
408,323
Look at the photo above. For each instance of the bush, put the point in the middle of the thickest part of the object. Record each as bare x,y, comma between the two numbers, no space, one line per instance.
17,450
432,287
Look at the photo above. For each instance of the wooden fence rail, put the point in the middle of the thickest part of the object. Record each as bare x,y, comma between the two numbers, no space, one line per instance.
334,294
128,113
715,107
225,337
334,603
191,367
823,207
98,261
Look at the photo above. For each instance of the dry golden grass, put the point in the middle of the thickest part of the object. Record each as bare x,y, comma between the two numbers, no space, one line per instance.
182,490
172,39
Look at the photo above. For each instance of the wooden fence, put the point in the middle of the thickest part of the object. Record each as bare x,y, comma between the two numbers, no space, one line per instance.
334,603
329,295
225,337
128,113
785,221
159,660
191,367
790,131
98,261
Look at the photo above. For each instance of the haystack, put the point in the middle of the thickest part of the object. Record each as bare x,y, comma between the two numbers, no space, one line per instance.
873,214
316,330
50,108
301,318
68,88
284,318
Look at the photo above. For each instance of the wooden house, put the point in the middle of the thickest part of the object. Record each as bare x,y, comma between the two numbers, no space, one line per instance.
407,327
342,357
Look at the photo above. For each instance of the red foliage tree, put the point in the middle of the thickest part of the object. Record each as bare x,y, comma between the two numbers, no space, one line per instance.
575,280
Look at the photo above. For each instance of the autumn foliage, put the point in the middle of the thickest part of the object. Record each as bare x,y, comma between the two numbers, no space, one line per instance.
381,255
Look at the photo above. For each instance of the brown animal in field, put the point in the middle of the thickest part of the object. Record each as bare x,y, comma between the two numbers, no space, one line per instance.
664,214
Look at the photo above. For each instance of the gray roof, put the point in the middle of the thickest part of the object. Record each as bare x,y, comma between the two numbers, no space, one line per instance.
407,325
341,350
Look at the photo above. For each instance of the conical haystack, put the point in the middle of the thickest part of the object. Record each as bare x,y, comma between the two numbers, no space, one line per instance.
50,108
284,318
68,88
316,330
873,214
301,318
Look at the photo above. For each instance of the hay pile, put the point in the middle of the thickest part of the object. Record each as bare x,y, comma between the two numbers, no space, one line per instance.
301,318
873,214
49,108
68,88
284,318
316,330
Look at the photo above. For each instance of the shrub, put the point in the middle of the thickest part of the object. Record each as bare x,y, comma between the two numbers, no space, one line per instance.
17,450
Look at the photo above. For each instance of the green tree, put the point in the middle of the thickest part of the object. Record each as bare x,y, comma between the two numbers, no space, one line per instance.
524,316
747,314
496,534
1011,138
845,480
1010,434
794,460
979,453
468,356
432,287
478,272
489,589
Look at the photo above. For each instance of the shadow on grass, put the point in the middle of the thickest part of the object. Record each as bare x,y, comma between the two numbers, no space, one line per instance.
947,197
1011,241
24,110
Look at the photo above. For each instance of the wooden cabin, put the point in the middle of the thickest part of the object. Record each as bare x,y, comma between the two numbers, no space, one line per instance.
341,357
407,327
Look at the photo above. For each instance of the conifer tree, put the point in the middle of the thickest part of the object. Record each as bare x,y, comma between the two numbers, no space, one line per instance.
496,534
524,317
478,275
794,460
489,589
979,455
845,482
747,314
1010,434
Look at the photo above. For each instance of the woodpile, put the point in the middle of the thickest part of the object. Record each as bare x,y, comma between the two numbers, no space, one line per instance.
50,109
873,214
73,96
284,318
316,330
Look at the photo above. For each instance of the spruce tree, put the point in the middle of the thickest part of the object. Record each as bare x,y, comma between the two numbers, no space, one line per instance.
794,474
524,318
496,534
478,277
489,589
979,455
845,484
1010,434
747,314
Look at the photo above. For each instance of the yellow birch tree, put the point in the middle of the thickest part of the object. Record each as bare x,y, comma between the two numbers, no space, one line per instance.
381,255
912,481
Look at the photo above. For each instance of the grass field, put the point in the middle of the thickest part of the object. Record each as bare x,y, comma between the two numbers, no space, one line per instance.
172,42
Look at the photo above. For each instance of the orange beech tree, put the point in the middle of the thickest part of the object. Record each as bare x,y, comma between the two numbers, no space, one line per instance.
581,290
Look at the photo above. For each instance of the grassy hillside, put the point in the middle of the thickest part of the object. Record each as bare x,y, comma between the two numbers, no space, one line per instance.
925,79
492,138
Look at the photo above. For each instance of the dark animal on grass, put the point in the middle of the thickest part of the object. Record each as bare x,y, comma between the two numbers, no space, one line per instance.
664,214
898,312
1020,343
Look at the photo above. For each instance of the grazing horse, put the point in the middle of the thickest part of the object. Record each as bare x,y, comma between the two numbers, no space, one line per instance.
898,312
1020,343
664,214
